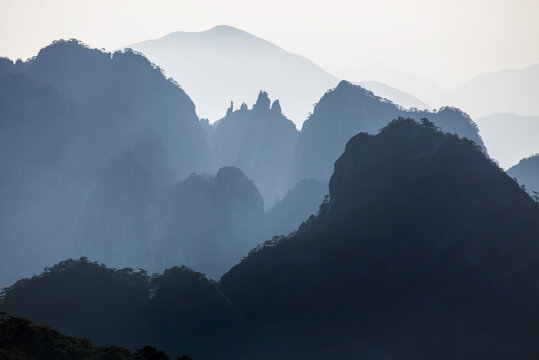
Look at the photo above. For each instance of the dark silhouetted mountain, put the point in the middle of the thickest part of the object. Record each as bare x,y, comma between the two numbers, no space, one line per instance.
527,174
64,114
237,65
298,204
180,309
396,96
260,141
426,249
509,137
349,109
211,222
507,91
22,340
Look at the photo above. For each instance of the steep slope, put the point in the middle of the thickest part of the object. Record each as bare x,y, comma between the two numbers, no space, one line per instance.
64,114
259,141
223,56
527,174
396,96
426,249
348,109
210,222
298,204
509,137
506,91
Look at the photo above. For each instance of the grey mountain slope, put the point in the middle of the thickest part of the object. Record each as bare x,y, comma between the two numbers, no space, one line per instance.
260,141
224,64
527,174
402,98
349,109
509,137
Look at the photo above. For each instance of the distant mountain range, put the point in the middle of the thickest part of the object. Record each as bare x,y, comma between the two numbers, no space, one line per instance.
506,91
226,64
509,137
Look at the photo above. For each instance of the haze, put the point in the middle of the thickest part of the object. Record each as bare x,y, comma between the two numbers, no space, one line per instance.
444,41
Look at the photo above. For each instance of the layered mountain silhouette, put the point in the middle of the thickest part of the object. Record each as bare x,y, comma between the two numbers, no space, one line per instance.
509,137
205,222
424,249
527,174
348,109
226,64
65,114
260,141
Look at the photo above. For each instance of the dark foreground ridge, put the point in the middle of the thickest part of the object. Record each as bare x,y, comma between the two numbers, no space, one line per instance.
425,249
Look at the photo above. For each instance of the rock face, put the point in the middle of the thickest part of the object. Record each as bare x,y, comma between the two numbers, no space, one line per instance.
527,173
349,109
260,141
425,249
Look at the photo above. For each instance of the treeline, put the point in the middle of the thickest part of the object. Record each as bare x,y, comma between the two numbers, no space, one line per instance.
179,310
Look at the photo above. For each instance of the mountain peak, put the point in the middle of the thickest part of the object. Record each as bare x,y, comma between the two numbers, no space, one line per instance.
263,101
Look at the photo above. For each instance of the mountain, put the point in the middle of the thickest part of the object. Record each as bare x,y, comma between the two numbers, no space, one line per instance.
64,114
260,141
527,174
210,222
205,222
348,109
298,204
506,91
426,249
225,64
396,96
394,77
179,309
509,137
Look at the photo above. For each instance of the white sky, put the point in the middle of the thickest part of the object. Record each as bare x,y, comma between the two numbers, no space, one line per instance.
446,41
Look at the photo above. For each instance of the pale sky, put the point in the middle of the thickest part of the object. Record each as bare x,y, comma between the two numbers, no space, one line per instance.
446,41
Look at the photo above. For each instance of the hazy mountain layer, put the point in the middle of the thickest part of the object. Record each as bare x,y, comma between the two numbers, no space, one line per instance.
426,249
349,109
225,64
65,113
509,137
505,91
260,141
